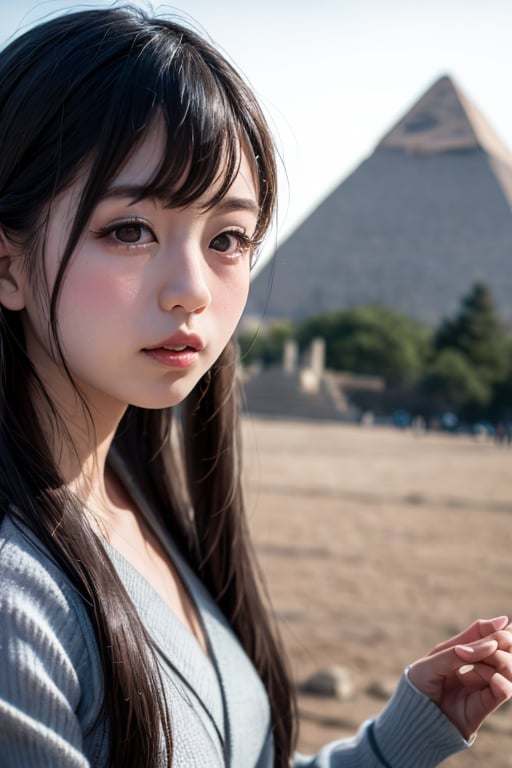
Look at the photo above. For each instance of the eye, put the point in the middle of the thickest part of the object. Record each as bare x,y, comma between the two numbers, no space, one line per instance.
132,233
232,243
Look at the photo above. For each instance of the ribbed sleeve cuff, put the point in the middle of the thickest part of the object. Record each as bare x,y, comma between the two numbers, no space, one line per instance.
412,730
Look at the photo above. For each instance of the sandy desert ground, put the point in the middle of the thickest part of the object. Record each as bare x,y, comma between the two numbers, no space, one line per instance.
376,544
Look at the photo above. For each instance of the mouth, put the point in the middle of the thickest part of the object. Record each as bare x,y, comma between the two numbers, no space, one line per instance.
181,348
178,351
179,342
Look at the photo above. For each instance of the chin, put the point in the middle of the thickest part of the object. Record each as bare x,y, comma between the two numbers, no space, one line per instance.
166,399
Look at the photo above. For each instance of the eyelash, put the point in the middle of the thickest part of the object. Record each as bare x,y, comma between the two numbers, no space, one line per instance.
244,241
125,224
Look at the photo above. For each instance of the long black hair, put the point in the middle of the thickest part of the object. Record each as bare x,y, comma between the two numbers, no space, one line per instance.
78,94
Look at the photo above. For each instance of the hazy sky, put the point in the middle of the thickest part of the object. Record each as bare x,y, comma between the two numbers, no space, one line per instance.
334,75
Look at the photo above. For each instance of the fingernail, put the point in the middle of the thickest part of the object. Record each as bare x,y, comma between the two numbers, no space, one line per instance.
466,648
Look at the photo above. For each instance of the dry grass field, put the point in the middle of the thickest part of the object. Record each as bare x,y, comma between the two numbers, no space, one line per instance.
377,544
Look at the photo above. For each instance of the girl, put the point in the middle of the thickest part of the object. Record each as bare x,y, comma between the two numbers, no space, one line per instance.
137,178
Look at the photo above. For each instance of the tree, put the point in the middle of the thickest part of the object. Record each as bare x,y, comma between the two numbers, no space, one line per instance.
501,406
478,332
452,383
265,345
371,340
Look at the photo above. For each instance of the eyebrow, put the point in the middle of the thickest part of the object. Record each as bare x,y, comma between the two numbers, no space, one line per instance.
137,192
228,204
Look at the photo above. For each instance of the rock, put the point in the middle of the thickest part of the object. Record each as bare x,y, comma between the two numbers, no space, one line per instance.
334,682
382,689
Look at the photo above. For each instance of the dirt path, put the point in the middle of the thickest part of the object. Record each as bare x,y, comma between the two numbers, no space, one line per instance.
377,544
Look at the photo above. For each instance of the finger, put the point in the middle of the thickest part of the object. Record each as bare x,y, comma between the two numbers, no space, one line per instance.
498,683
476,651
503,638
493,691
474,677
500,662
470,678
426,673
476,631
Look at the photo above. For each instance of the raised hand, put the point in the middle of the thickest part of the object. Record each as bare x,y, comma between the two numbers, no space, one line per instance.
470,675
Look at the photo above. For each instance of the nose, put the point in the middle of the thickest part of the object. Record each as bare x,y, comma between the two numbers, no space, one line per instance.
185,287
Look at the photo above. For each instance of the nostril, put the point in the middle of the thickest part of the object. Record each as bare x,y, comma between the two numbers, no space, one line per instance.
186,290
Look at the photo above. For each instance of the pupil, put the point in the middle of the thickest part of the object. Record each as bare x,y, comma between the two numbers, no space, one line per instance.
129,234
221,243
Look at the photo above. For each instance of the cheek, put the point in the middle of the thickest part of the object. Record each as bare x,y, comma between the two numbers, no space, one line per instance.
94,305
97,291
231,295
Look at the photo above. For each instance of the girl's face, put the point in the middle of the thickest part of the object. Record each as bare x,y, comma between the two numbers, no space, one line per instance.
151,295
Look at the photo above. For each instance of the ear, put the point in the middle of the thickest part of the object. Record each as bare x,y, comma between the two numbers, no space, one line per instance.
12,279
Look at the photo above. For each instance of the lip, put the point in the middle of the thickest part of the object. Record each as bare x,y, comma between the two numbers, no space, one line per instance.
181,350
178,340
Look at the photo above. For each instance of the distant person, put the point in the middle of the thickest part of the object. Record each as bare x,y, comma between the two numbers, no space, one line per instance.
419,425
502,433
137,177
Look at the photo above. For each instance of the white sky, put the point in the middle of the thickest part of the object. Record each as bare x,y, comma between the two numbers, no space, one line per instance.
334,75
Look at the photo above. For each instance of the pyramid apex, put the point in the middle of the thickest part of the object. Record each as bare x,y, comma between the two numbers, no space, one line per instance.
444,119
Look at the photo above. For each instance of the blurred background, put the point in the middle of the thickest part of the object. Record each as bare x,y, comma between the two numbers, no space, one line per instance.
334,75
378,371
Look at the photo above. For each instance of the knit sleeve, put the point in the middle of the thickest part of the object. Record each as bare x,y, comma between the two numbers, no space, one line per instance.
411,731
44,655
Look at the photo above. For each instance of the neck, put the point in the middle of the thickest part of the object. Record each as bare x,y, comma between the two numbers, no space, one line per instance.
93,481
80,441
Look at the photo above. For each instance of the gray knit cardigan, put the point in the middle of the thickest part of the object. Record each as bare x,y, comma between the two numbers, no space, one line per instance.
51,681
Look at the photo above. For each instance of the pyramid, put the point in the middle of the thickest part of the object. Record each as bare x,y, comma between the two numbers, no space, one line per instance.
417,223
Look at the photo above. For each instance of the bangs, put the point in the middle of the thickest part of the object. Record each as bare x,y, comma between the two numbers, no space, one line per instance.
204,138
104,77
207,125
128,72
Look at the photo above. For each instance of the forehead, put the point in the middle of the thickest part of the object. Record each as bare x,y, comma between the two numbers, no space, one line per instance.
144,163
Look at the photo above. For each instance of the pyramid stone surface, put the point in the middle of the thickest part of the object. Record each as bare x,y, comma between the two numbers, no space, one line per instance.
414,227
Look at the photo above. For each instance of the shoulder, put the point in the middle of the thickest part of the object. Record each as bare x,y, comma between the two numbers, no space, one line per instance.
44,624
32,582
